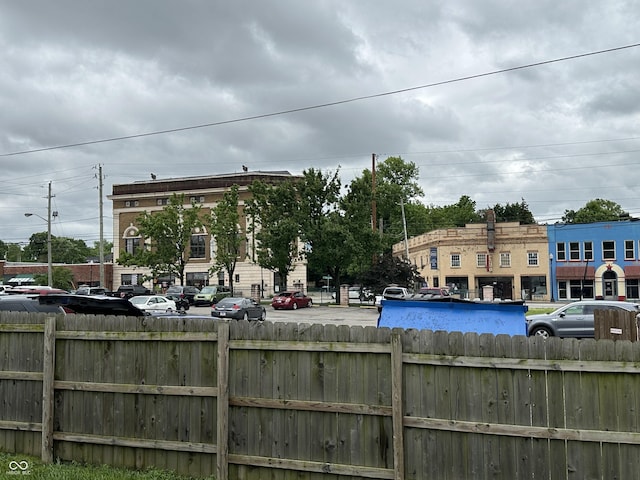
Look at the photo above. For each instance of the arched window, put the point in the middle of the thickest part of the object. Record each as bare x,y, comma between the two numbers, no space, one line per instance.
197,248
132,240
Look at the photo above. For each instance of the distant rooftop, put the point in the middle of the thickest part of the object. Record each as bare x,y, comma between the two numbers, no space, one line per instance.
154,184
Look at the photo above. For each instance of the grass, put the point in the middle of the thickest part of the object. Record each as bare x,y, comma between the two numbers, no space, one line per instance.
536,311
35,469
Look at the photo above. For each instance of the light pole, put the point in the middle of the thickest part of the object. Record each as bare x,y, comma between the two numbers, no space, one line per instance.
49,264
551,276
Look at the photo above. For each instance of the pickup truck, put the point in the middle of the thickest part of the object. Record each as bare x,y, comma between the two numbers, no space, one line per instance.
390,293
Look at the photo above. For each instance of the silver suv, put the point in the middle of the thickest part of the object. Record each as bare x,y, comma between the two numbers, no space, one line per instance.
392,292
574,319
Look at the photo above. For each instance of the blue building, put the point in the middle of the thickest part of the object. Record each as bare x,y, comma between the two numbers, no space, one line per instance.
595,260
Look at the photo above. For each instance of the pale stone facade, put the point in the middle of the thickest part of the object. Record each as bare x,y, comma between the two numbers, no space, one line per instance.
487,261
130,200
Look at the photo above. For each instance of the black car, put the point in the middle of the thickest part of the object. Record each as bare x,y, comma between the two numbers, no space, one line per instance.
128,291
91,304
27,303
239,308
182,292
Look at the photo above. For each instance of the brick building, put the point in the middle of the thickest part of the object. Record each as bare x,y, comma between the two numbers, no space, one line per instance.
132,199
21,273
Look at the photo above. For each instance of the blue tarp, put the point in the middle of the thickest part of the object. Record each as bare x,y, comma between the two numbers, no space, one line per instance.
455,316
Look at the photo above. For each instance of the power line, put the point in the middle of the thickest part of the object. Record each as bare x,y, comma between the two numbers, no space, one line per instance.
322,105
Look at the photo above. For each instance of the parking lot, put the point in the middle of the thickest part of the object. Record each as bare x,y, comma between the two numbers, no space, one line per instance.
365,315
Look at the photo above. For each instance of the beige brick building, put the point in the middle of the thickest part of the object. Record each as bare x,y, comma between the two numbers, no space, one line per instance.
488,261
130,200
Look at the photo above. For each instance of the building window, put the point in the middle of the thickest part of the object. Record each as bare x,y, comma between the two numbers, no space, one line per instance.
197,247
481,260
532,259
132,245
131,279
608,250
162,201
562,289
194,199
588,251
633,292
574,251
455,260
505,259
131,203
237,278
561,252
629,249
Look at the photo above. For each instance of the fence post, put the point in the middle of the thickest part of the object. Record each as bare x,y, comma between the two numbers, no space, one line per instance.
48,371
396,406
223,401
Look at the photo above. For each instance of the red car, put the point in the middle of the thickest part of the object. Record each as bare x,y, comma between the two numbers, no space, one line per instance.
292,299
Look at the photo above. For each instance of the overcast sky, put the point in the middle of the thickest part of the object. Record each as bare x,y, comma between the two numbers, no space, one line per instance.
556,135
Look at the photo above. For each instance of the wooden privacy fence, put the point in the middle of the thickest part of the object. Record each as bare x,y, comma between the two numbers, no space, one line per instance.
262,400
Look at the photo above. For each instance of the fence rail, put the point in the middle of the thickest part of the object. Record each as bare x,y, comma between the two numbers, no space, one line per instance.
242,400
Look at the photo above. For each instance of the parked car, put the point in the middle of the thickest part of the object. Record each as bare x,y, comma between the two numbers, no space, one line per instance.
182,292
128,291
86,290
360,293
153,303
27,303
211,294
433,292
239,308
91,304
575,319
292,299
392,292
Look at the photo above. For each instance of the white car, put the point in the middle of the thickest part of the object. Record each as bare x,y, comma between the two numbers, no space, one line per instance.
153,303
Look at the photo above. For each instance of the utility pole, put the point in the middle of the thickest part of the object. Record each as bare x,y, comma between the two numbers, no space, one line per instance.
101,244
404,226
49,261
374,213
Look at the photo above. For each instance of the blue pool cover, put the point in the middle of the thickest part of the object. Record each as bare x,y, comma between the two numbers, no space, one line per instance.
454,315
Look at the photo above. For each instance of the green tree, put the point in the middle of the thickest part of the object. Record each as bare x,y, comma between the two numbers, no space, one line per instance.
95,250
597,210
4,249
63,249
274,221
61,278
512,212
168,233
14,252
224,225
391,270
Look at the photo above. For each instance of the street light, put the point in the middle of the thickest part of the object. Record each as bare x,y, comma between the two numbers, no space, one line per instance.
551,276
49,264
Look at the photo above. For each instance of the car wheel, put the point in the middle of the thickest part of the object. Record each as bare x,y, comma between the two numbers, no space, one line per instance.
543,332
310,304
263,316
245,316
294,306
169,310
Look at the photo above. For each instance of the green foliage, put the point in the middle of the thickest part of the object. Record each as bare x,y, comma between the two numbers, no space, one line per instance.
63,249
95,250
169,234
224,225
391,270
513,212
275,222
14,252
597,210
61,277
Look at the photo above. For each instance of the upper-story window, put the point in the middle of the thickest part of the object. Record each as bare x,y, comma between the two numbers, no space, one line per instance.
532,259
196,199
456,261
162,201
505,259
561,252
481,260
132,240
197,247
588,250
131,203
574,251
629,250
608,250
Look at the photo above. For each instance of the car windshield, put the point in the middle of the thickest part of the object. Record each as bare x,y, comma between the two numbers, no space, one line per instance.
208,290
285,294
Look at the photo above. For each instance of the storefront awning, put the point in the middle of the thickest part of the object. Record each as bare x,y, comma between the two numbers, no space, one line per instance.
575,273
632,271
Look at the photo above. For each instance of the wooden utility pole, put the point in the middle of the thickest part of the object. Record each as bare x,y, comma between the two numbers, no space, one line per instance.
101,248
374,214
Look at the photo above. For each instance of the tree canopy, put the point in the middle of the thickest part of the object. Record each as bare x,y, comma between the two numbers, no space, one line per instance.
597,210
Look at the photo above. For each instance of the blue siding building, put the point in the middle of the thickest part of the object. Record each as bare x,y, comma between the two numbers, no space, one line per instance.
595,260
